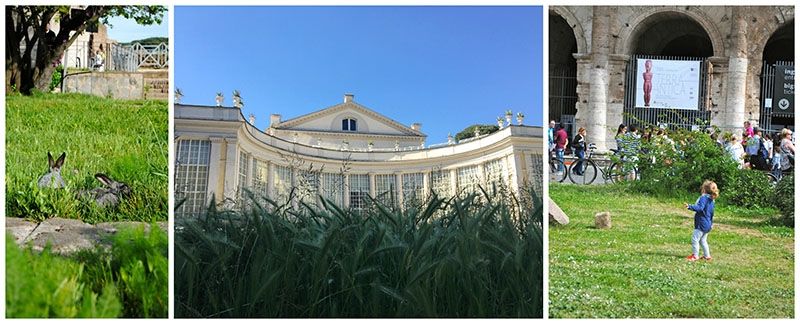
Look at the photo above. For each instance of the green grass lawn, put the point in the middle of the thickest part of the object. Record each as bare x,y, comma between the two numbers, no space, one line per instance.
126,139
637,268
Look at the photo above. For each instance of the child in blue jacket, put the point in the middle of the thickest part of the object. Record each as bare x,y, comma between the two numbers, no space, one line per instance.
703,219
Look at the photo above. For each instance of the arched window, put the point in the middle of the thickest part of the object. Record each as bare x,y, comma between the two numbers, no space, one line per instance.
349,124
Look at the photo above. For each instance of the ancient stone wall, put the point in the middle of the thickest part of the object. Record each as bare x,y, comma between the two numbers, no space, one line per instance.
118,85
737,35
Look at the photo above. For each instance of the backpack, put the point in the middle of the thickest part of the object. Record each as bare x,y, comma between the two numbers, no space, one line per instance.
575,144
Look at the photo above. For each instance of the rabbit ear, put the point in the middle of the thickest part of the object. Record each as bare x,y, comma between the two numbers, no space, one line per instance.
103,179
49,160
60,160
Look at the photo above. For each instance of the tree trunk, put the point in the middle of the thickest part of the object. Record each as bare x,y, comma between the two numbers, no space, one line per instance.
34,69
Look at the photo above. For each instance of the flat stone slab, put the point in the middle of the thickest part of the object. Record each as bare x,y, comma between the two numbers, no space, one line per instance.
66,236
557,215
19,228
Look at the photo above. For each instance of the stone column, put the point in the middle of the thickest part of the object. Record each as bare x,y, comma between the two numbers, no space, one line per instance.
346,193
398,184
717,71
231,168
736,95
598,77
511,175
270,180
216,168
453,182
593,117
372,191
426,185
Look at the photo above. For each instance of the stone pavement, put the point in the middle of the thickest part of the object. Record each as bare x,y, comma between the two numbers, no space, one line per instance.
66,235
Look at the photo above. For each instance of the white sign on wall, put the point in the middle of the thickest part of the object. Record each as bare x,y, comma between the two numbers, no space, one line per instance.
667,84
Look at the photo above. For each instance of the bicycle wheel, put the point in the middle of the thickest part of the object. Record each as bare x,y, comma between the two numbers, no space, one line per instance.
555,174
587,174
773,180
617,173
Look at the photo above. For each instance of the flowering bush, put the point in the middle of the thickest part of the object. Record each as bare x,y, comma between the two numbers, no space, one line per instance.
681,162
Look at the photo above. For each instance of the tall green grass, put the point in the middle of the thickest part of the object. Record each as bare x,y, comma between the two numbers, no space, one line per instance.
475,256
126,139
129,280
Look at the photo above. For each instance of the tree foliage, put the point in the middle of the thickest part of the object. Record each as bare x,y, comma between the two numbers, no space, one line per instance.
31,55
469,132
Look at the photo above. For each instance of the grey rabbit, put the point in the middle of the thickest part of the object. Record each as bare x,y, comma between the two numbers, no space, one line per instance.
110,194
52,179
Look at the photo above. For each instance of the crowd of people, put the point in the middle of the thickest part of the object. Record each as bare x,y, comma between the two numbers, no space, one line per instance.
754,149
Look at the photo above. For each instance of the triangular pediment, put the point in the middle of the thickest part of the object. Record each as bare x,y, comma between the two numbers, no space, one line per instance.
330,118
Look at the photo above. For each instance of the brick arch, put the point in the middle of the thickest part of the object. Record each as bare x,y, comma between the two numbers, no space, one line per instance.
577,29
652,15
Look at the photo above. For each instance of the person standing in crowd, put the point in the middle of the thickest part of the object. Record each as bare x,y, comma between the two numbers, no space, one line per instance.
735,150
579,145
561,141
756,152
787,150
621,130
551,144
776,153
748,132
631,143
769,147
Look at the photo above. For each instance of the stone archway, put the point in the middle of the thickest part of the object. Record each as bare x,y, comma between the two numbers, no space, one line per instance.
572,22
667,31
670,33
779,47
666,34
562,71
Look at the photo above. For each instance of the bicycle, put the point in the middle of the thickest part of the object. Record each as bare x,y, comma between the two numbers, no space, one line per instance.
555,165
616,172
775,176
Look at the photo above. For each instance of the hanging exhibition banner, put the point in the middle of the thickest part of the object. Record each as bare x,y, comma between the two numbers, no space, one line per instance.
667,84
783,97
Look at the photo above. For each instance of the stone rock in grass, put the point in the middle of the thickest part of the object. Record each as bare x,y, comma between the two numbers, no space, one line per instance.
19,228
602,220
67,242
557,215
113,227
67,236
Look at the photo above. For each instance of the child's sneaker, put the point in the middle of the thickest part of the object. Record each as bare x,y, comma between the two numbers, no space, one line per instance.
707,258
691,258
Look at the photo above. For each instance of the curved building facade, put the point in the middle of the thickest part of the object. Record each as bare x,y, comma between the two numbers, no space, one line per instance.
345,153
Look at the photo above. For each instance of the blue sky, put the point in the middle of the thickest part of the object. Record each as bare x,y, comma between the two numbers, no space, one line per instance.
445,67
125,30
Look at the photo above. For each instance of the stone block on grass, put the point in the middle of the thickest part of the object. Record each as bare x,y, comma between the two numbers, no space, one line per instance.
602,220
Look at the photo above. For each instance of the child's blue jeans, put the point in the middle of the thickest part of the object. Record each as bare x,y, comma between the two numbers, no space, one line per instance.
700,238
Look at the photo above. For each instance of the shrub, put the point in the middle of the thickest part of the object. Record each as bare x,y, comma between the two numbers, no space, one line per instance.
683,163
749,189
470,256
784,199
469,132
46,285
